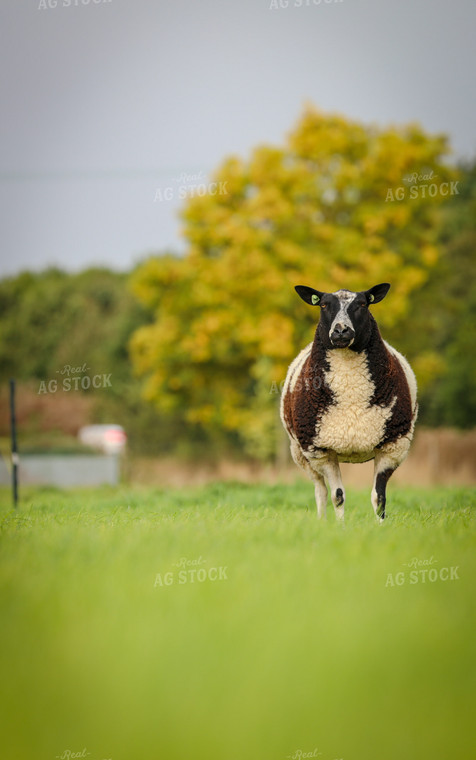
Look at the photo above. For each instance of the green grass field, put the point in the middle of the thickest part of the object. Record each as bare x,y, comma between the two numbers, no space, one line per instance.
297,637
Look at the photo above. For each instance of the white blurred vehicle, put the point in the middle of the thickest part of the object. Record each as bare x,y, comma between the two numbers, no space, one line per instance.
111,439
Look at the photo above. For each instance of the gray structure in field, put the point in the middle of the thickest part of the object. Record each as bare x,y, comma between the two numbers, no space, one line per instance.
64,470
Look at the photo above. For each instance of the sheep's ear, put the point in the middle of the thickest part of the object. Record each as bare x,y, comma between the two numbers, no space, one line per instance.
377,293
309,295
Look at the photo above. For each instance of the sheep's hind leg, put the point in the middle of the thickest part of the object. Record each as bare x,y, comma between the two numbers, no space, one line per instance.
379,497
387,460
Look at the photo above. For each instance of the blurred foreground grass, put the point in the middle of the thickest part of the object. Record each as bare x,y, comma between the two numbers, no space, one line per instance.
303,645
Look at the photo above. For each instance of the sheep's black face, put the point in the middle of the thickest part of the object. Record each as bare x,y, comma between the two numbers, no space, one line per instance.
345,318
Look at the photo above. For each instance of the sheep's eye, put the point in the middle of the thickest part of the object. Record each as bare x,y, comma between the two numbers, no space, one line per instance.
323,305
363,304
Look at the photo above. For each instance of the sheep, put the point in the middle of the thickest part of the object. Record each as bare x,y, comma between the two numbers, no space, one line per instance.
348,397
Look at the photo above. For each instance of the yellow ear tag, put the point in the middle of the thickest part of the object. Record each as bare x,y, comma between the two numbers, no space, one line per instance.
314,299
371,298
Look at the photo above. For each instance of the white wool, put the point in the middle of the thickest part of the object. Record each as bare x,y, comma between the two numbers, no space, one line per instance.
351,425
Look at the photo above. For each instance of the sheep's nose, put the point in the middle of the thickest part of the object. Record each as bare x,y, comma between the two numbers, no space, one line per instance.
342,334
342,331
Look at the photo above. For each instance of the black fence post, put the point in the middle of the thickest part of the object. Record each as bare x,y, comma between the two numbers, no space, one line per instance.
15,458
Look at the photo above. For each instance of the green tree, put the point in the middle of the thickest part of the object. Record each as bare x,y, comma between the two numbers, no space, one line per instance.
54,318
323,210
445,328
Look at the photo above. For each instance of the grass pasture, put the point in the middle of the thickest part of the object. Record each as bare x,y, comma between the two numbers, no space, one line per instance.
301,639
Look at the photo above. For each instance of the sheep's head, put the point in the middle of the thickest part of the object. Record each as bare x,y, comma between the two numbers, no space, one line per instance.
345,320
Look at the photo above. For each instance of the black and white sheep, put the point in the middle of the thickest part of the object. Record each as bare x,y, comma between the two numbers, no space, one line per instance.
348,397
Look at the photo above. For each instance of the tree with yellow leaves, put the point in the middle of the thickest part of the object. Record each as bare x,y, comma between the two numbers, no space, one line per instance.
340,205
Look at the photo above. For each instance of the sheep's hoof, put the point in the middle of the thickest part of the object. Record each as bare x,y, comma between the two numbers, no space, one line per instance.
339,514
380,512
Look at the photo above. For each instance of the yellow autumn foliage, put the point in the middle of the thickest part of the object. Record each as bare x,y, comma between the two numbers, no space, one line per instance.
321,210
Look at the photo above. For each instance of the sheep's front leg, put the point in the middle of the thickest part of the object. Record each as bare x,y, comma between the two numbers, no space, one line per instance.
320,489
331,471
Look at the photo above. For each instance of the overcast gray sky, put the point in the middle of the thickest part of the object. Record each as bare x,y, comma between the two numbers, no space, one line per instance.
105,102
